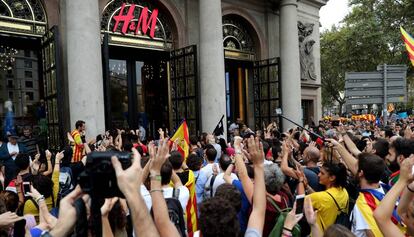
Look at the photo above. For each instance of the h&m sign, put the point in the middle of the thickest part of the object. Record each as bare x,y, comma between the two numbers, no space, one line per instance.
146,21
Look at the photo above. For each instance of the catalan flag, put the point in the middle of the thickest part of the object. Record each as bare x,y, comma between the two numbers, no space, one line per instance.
183,139
409,44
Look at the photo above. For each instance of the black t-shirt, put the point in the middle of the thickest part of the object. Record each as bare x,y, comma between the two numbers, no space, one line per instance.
183,176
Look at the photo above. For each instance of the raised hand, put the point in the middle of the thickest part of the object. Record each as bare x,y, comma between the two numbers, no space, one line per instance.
130,179
256,151
107,206
162,155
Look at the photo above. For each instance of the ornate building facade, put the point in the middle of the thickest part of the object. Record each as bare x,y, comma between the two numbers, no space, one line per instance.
152,63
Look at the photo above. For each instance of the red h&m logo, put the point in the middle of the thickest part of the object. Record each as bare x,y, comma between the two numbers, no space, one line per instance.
144,22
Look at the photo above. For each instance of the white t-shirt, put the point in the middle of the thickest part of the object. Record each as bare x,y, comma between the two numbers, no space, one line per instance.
219,181
359,225
13,148
183,196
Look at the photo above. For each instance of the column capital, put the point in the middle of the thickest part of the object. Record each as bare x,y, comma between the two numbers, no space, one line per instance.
284,3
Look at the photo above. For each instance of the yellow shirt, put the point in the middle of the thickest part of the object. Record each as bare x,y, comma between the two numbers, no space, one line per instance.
327,209
31,208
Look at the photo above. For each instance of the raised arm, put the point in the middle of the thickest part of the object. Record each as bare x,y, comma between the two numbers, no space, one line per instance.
350,145
284,166
105,209
350,160
247,183
129,181
159,206
257,217
227,174
384,211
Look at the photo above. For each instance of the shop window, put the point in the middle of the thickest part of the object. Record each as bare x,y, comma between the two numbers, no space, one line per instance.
30,96
29,84
28,64
28,74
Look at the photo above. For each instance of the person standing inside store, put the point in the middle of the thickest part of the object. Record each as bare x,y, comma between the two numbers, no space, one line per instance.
78,136
30,142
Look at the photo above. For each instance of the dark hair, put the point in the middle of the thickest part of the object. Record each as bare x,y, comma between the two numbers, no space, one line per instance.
218,218
339,171
361,144
194,162
43,184
231,194
193,140
403,147
381,147
176,160
372,165
222,144
79,124
166,172
67,156
266,147
22,161
224,161
337,230
211,153
117,217
388,132
250,171
10,200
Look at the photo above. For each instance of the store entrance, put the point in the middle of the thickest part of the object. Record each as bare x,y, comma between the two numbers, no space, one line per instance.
138,89
237,84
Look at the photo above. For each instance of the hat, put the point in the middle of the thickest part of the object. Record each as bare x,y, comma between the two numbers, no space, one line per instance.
12,135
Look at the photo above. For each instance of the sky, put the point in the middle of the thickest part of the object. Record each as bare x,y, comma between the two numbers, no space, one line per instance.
332,13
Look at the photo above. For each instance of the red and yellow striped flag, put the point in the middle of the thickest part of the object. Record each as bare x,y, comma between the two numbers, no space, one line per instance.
409,44
183,139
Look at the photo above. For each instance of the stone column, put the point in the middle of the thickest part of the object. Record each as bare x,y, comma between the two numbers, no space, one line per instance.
290,62
84,65
212,81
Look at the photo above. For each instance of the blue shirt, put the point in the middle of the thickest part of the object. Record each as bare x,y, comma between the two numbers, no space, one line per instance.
243,214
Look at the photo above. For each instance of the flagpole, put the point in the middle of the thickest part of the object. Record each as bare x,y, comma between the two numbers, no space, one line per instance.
222,117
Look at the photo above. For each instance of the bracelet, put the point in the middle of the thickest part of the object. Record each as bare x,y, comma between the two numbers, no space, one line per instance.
41,197
286,234
46,234
156,190
156,177
409,189
290,230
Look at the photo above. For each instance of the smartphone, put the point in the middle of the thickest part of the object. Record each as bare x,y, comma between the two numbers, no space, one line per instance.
26,188
300,199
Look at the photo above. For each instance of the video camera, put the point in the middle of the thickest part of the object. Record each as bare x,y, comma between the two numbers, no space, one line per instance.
99,178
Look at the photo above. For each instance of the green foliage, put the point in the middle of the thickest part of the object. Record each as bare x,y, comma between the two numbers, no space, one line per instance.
369,35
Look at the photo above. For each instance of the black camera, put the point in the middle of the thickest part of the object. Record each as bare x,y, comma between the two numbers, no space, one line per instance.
99,178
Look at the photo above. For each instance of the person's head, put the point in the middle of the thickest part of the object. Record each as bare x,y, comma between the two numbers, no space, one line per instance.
22,161
193,140
333,174
337,230
211,153
370,167
80,125
311,154
224,162
10,200
194,162
230,193
388,133
380,148
399,150
176,160
12,139
218,218
27,132
274,178
67,156
43,184
166,172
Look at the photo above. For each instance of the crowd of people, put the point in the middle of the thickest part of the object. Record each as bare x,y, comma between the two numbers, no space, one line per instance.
330,179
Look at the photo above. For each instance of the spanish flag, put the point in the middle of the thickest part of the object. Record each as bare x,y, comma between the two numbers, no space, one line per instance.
409,44
183,139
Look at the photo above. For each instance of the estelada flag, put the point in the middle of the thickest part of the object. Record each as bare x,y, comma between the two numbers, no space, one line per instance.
183,139
409,44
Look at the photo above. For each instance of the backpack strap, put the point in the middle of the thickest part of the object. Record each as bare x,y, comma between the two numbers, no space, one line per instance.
337,205
213,178
176,193
269,199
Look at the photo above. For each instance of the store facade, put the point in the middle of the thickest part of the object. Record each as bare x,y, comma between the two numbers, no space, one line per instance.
152,63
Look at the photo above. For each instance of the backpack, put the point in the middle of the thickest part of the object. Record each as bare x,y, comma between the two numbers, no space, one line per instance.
175,211
278,228
343,217
65,182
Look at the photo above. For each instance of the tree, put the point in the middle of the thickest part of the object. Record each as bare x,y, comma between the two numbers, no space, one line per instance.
369,36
